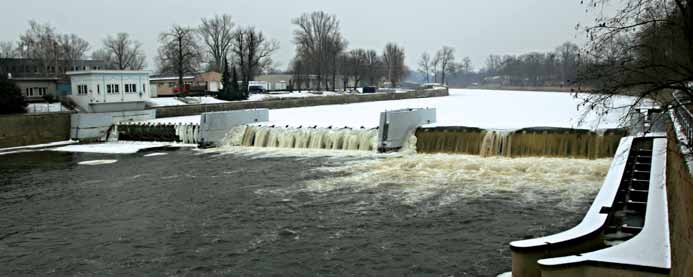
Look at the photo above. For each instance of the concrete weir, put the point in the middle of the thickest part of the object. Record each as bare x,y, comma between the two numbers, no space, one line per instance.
542,142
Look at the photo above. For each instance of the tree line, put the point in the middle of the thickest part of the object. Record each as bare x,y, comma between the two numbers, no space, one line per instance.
553,68
322,56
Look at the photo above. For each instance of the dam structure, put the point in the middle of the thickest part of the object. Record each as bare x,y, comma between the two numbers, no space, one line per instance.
412,129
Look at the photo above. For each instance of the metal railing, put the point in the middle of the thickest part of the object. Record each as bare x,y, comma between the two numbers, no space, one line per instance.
684,115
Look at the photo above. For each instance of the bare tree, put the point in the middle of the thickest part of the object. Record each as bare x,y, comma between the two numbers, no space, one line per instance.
179,52
568,54
40,43
493,64
446,57
435,63
644,49
374,68
253,53
319,42
355,66
122,52
8,50
72,48
393,57
425,66
466,65
217,33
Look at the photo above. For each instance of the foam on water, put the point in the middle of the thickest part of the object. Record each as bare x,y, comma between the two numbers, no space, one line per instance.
98,162
450,178
444,178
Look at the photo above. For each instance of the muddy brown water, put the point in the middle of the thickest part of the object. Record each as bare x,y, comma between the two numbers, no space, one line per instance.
199,214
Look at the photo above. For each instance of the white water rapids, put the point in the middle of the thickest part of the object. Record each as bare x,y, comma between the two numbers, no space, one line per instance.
303,138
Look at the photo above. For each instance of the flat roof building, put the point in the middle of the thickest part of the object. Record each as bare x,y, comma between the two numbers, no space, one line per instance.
36,78
99,91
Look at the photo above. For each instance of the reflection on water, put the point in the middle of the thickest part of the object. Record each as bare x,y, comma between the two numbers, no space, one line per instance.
265,212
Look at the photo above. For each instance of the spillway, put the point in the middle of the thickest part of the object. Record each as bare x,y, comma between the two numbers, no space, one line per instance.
306,138
529,142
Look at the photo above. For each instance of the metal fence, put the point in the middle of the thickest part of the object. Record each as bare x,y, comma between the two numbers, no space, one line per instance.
684,115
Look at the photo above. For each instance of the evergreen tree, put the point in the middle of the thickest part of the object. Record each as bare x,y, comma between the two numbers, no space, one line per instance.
235,88
11,99
225,93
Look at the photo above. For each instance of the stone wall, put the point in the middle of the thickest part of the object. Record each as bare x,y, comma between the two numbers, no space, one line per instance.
680,192
295,102
28,129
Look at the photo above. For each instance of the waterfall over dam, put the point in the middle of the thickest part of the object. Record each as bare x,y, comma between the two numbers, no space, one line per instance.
529,142
307,138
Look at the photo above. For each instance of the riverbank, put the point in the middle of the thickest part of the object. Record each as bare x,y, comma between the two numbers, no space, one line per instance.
527,88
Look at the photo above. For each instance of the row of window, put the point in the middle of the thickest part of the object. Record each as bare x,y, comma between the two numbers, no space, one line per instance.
111,89
35,91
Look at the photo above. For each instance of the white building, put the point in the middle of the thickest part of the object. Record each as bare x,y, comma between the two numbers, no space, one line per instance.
110,91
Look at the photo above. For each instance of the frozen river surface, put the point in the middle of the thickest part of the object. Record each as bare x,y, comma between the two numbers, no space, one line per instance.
487,109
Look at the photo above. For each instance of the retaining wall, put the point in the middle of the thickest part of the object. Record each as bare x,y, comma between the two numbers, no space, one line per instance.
28,129
680,199
295,102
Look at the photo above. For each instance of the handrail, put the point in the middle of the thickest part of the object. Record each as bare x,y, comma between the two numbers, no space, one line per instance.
650,249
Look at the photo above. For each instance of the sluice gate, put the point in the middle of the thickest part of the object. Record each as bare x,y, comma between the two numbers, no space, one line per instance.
543,142
181,133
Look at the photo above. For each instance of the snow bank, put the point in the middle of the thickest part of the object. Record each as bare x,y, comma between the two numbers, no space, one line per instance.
194,100
164,101
35,147
46,108
120,147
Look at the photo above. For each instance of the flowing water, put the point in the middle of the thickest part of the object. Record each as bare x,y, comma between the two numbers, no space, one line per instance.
530,142
246,211
305,138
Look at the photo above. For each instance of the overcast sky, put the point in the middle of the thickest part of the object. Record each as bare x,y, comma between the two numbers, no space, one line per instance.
474,28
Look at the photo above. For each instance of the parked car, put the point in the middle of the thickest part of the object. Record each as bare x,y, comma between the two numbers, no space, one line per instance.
256,89
370,89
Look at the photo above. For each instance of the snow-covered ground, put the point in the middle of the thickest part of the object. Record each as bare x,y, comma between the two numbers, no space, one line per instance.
30,148
46,108
194,100
120,147
473,108
164,101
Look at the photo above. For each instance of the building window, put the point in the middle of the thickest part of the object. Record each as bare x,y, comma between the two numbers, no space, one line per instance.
98,89
127,88
144,87
116,88
82,89
133,88
29,92
109,89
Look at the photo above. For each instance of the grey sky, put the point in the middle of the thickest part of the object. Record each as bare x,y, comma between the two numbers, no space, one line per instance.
474,28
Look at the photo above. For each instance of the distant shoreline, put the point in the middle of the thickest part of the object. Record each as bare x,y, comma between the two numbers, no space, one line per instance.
511,88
